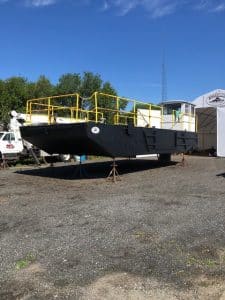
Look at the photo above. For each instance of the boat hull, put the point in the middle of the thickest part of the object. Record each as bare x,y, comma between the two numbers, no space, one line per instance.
90,138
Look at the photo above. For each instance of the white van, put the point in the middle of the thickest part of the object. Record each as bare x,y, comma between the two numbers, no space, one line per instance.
11,145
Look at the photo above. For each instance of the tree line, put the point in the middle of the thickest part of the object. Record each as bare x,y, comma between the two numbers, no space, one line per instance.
15,91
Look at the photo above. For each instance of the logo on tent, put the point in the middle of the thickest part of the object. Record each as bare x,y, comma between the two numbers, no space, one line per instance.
217,99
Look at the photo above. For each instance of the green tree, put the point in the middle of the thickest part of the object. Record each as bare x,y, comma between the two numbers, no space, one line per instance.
90,83
107,88
2,88
43,87
69,83
31,94
5,107
13,96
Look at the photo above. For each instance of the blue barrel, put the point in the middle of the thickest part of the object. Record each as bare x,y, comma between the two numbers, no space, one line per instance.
80,158
83,158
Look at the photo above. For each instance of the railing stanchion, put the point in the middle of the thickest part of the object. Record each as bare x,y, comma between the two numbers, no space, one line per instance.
49,103
77,106
96,107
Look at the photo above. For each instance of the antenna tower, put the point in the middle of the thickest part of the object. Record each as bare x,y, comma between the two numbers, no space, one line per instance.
164,78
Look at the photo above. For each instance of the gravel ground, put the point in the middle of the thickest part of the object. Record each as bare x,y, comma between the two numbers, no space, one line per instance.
157,234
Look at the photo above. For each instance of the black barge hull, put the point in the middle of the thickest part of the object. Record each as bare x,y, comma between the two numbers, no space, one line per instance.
108,140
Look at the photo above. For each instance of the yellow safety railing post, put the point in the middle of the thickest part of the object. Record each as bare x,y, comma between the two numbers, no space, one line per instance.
77,106
117,110
51,113
49,103
96,106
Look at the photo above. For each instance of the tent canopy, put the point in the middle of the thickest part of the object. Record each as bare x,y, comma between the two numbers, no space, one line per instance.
210,111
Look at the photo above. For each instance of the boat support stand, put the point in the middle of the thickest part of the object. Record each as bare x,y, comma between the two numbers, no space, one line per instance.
114,174
183,160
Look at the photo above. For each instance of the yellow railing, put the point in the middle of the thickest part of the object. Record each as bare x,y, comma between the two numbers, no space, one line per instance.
104,108
98,108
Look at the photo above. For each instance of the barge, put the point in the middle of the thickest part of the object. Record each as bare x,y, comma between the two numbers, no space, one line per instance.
102,125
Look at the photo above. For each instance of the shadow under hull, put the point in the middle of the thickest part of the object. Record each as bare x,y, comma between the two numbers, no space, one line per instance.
108,140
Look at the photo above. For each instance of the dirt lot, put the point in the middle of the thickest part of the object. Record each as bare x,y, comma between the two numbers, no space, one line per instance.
157,234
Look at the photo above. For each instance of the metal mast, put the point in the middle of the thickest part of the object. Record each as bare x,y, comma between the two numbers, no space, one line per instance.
164,78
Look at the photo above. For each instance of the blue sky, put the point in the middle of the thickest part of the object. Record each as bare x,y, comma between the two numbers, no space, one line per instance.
122,40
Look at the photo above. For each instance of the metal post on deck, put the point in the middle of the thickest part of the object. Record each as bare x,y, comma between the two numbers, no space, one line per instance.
117,110
49,103
30,112
96,107
77,106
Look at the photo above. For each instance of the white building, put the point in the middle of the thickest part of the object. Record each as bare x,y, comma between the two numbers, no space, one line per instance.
210,113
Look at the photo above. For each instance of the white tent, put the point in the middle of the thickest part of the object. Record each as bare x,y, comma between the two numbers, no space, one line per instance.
210,111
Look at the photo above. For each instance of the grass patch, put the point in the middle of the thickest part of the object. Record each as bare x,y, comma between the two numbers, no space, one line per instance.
197,262
25,262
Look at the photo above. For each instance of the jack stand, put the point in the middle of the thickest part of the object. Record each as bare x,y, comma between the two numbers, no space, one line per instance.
4,165
114,175
183,161
37,161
